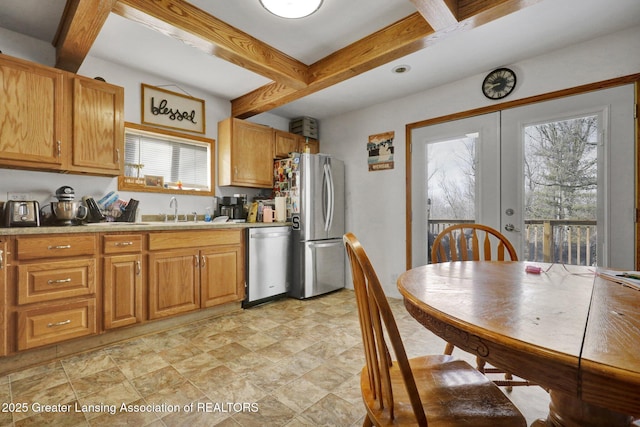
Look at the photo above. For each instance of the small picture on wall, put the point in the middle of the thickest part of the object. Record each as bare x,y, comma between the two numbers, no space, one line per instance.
380,149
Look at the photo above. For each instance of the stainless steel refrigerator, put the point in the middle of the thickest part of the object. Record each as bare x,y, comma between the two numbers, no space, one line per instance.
314,186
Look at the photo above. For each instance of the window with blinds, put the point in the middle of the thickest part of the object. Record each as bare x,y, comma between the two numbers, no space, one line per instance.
183,163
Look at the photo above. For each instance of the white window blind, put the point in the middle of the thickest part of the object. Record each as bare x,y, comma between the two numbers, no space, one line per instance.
173,158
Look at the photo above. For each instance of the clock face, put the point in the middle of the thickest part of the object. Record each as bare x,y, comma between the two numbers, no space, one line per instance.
499,83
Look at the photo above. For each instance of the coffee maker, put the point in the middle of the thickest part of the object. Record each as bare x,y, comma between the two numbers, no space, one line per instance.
234,207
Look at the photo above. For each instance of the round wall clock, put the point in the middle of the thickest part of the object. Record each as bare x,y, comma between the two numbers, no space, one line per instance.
499,83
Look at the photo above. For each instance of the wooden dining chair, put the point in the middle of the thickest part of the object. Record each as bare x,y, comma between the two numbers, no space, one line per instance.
431,391
475,242
471,242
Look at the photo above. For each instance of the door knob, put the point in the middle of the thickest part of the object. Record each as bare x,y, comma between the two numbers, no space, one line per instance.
511,227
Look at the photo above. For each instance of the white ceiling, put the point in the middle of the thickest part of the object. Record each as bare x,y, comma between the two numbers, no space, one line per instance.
545,26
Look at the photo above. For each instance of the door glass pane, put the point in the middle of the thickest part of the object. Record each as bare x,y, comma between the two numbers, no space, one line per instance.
561,191
451,184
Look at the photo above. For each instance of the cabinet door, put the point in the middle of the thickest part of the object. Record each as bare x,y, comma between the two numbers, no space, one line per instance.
286,143
313,144
245,154
222,275
122,284
98,127
174,285
31,114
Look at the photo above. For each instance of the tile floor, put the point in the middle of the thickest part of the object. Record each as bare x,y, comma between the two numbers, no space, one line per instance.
285,363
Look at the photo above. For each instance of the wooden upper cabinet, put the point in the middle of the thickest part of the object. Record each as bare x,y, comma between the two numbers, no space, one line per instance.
98,127
286,143
245,154
54,120
32,115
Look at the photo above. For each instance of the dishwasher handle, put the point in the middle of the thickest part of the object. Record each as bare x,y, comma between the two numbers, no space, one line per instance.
270,235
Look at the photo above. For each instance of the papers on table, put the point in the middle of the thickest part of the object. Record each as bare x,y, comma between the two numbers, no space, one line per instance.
629,278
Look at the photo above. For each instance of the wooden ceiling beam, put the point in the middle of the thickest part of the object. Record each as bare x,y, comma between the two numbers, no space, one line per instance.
395,41
440,14
400,39
79,27
193,26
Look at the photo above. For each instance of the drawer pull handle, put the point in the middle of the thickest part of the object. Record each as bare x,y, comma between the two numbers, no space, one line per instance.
55,282
1,259
64,322
124,243
60,247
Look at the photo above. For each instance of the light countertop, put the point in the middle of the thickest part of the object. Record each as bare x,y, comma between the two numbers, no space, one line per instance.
106,227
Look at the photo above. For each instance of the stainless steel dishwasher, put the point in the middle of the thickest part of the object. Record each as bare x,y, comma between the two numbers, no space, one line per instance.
268,263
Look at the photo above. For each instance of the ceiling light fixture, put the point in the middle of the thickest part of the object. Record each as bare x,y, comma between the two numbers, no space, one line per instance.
291,8
400,69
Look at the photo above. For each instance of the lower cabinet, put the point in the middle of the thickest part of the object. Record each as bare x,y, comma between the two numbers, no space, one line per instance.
54,288
122,280
55,323
174,282
222,275
203,269
122,287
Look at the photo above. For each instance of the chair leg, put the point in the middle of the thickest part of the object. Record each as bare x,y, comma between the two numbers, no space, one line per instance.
480,364
367,422
448,349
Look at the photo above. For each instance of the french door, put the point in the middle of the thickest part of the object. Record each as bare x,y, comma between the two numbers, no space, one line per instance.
557,178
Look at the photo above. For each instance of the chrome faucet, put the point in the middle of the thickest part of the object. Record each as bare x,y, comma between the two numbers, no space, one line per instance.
173,203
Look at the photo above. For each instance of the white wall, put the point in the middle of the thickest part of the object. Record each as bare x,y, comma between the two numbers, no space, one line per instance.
376,200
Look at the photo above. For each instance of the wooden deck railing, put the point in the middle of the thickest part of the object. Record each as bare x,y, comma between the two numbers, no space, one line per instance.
561,241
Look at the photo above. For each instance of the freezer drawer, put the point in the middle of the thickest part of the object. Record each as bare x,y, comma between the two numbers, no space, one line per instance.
268,263
318,268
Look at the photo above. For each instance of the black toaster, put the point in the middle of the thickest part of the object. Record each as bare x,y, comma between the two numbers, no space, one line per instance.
21,213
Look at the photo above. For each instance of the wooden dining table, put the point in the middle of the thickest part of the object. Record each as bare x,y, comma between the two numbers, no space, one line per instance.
569,329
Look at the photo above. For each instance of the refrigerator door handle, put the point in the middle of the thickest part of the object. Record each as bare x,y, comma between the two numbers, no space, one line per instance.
331,198
326,196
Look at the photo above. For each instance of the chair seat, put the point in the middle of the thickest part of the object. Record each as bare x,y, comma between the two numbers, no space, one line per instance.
453,393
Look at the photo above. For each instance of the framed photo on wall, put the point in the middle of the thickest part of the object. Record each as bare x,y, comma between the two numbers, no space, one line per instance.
164,108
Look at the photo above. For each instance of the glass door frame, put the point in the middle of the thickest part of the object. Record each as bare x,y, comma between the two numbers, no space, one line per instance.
409,128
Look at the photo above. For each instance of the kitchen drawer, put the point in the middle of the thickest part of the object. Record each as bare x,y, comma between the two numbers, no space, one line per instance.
121,243
55,280
194,239
55,323
54,246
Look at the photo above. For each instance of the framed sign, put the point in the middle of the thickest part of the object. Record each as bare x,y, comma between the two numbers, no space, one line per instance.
168,109
380,151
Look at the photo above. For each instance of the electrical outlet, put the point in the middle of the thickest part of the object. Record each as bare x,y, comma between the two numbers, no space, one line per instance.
18,196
